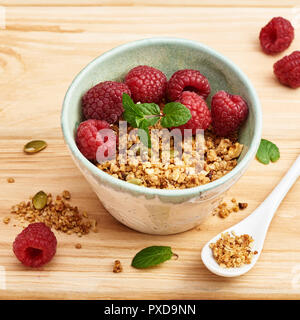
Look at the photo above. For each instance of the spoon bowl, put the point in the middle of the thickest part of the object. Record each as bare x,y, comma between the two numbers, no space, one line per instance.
255,225
239,229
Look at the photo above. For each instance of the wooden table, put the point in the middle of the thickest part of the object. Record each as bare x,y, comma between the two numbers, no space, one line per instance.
42,47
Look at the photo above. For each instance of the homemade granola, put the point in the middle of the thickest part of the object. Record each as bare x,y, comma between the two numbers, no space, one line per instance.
6,220
117,266
220,157
233,251
223,210
243,205
57,214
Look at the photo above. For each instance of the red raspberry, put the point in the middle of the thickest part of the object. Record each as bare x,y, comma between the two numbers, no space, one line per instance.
89,139
276,36
228,112
104,101
146,84
187,80
35,245
201,117
287,70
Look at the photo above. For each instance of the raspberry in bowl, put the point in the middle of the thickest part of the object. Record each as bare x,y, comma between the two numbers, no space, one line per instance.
157,203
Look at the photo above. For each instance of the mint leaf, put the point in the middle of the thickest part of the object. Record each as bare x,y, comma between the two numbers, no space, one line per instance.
130,106
149,120
267,151
151,112
145,115
175,114
131,112
151,256
135,114
152,121
149,108
145,136
131,118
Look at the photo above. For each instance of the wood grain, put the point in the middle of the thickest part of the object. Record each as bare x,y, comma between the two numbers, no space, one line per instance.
41,50
153,3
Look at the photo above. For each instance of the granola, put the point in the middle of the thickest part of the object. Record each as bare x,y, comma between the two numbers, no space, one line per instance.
223,210
233,251
220,157
58,214
117,266
243,205
6,220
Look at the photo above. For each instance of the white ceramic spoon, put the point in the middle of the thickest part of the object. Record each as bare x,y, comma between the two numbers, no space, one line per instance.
256,225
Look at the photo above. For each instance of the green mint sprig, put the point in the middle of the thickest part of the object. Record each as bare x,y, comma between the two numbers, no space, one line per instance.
145,115
267,151
152,256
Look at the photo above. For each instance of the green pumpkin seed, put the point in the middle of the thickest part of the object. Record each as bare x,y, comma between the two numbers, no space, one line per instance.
39,201
135,181
173,153
35,146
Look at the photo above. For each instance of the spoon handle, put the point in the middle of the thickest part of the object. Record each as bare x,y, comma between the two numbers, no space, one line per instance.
271,203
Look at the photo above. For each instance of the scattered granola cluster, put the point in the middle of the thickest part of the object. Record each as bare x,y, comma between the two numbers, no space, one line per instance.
6,220
57,214
117,266
224,210
220,158
232,252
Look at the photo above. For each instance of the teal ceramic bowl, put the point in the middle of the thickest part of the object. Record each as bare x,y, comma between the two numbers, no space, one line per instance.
157,211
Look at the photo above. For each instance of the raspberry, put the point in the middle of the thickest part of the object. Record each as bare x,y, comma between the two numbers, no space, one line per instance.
228,112
201,117
287,70
187,80
146,84
276,36
104,101
35,245
89,139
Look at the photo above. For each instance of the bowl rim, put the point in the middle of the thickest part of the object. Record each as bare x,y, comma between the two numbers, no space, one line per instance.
70,141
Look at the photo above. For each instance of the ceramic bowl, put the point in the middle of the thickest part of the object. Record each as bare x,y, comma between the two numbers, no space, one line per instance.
157,211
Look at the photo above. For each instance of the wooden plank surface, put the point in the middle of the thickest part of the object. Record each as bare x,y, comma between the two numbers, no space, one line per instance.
41,50
153,3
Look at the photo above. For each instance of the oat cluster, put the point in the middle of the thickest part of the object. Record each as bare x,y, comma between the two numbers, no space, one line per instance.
117,266
233,251
58,214
220,157
6,220
224,210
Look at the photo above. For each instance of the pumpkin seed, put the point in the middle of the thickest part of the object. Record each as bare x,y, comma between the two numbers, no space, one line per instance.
39,201
35,146
135,181
174,153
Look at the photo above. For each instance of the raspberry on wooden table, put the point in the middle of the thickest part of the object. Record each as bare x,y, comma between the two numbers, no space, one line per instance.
104,101
187,80
276,36
146,84
287,70
228,112
35,245
201,117
89,139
